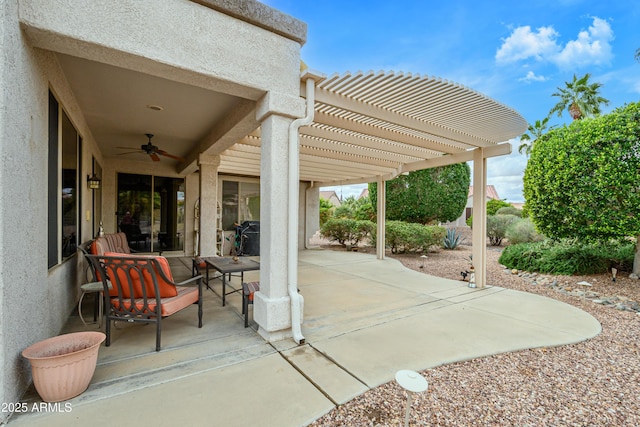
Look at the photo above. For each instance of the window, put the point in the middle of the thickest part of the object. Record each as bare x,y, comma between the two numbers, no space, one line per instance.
63,189
240,202
151,212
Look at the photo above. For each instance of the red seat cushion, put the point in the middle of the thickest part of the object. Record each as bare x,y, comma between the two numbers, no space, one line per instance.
167,290
184,298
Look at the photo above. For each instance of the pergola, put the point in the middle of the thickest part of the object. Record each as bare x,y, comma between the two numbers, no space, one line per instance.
371,127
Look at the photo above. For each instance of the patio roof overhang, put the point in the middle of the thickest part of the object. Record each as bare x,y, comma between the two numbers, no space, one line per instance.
382,124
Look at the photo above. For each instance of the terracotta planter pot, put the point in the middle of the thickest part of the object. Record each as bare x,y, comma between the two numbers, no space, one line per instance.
63,366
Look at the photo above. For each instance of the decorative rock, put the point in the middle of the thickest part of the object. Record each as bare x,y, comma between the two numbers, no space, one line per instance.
580,289
633,276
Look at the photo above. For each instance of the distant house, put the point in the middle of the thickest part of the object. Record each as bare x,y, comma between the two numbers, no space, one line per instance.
332,197
491,194
364,193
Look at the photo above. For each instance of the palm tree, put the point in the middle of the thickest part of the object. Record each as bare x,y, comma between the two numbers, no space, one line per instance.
580,97
534,132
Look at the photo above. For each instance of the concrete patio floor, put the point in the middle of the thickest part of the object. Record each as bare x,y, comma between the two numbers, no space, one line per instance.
365,319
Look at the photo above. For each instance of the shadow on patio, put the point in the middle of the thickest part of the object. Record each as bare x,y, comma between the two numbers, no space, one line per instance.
364,320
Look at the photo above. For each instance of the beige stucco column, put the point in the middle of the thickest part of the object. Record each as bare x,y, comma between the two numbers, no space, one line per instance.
382,214
208,203
272,311
479,234
310,215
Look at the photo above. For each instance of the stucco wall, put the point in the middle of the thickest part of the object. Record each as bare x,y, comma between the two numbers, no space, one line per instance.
217,52
35,302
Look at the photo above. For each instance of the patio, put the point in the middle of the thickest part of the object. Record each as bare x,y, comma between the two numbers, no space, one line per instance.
364,320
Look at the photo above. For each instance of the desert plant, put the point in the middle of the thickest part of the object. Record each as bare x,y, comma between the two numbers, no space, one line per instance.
569,256
522,231
497,227
509,210
452,239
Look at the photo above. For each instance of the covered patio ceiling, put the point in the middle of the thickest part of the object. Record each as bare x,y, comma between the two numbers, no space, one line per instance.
366,125
383,124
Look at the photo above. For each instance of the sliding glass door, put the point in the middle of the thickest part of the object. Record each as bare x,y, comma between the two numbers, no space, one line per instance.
151,212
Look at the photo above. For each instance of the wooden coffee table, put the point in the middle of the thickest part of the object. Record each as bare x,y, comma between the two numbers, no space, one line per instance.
225,266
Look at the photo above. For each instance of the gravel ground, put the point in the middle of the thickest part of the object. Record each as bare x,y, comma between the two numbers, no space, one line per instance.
593,383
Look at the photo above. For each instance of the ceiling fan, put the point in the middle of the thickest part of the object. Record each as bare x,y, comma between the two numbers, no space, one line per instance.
152,150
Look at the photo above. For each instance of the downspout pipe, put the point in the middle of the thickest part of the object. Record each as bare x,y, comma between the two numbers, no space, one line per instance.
294,202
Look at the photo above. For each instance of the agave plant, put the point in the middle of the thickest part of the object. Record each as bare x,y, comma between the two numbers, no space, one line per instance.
452,239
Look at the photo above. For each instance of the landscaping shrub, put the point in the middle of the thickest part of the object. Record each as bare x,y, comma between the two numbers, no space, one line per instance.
494,204
326,210
509,210
452,239
346,231
569,256
497,227
410,237
522,231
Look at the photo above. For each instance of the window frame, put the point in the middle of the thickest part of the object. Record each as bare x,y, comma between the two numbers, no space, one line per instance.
239,181
55,164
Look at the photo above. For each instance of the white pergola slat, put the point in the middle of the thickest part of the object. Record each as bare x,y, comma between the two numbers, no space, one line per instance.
380,124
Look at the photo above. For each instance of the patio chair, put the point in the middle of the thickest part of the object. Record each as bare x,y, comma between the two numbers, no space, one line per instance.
93,284
248,291
143,290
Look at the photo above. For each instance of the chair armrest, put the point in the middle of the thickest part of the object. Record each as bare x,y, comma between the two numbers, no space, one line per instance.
134,251
189,281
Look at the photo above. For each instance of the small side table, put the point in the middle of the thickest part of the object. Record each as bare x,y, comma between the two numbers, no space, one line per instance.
89,288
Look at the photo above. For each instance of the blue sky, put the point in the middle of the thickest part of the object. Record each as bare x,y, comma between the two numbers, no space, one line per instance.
515,52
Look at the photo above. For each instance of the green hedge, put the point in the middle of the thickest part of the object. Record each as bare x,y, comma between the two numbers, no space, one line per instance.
569,257
412,237
347,231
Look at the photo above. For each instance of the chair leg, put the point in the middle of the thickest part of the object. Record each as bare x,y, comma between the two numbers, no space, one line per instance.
107,342
245,309
158,331
199,304
96,305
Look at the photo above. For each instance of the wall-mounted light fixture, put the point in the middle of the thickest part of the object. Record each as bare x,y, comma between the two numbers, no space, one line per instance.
93,182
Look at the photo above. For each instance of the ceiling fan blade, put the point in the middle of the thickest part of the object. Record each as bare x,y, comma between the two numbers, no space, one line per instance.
154,157
164,153
129,148
131,152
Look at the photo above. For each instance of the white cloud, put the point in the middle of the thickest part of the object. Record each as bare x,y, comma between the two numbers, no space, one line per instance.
524,44
592,46
532,77
505,173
